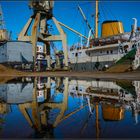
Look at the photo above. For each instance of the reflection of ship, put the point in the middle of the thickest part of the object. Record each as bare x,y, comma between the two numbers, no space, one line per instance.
105,89
112,113
113,97
16,93
45,98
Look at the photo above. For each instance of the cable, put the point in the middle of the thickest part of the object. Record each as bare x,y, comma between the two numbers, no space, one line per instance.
74,7
111,14
106,16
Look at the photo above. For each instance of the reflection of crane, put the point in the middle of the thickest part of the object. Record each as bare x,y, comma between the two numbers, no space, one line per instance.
39,113
36,120
39,118
39,32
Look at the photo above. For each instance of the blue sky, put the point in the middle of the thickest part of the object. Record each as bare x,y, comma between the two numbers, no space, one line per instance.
16,15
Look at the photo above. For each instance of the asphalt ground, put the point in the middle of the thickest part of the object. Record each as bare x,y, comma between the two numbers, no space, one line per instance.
11,73
95,75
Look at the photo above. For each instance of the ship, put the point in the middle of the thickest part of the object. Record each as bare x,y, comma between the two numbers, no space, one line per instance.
115,50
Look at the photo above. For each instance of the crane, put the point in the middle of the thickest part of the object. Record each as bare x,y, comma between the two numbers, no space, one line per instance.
82,13
42,12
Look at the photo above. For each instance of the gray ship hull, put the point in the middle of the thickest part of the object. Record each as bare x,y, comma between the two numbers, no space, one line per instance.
90,66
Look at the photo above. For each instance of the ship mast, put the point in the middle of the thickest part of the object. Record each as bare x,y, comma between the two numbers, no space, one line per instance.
96,20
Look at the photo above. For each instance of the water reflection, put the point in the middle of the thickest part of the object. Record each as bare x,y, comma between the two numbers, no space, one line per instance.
63,107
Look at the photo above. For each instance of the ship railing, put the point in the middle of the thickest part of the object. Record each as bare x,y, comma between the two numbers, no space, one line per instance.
78,48
110,39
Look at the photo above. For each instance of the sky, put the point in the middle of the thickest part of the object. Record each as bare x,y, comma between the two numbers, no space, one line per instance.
16,14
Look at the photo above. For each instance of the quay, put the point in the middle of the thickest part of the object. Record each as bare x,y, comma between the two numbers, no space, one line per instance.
11,73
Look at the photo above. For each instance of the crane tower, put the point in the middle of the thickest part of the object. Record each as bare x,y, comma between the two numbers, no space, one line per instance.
42,12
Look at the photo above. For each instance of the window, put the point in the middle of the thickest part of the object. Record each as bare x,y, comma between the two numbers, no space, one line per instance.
134,45
76,54
107,52
80,53
111,51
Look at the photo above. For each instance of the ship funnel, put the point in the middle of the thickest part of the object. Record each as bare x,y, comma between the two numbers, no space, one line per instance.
112,27
135,24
